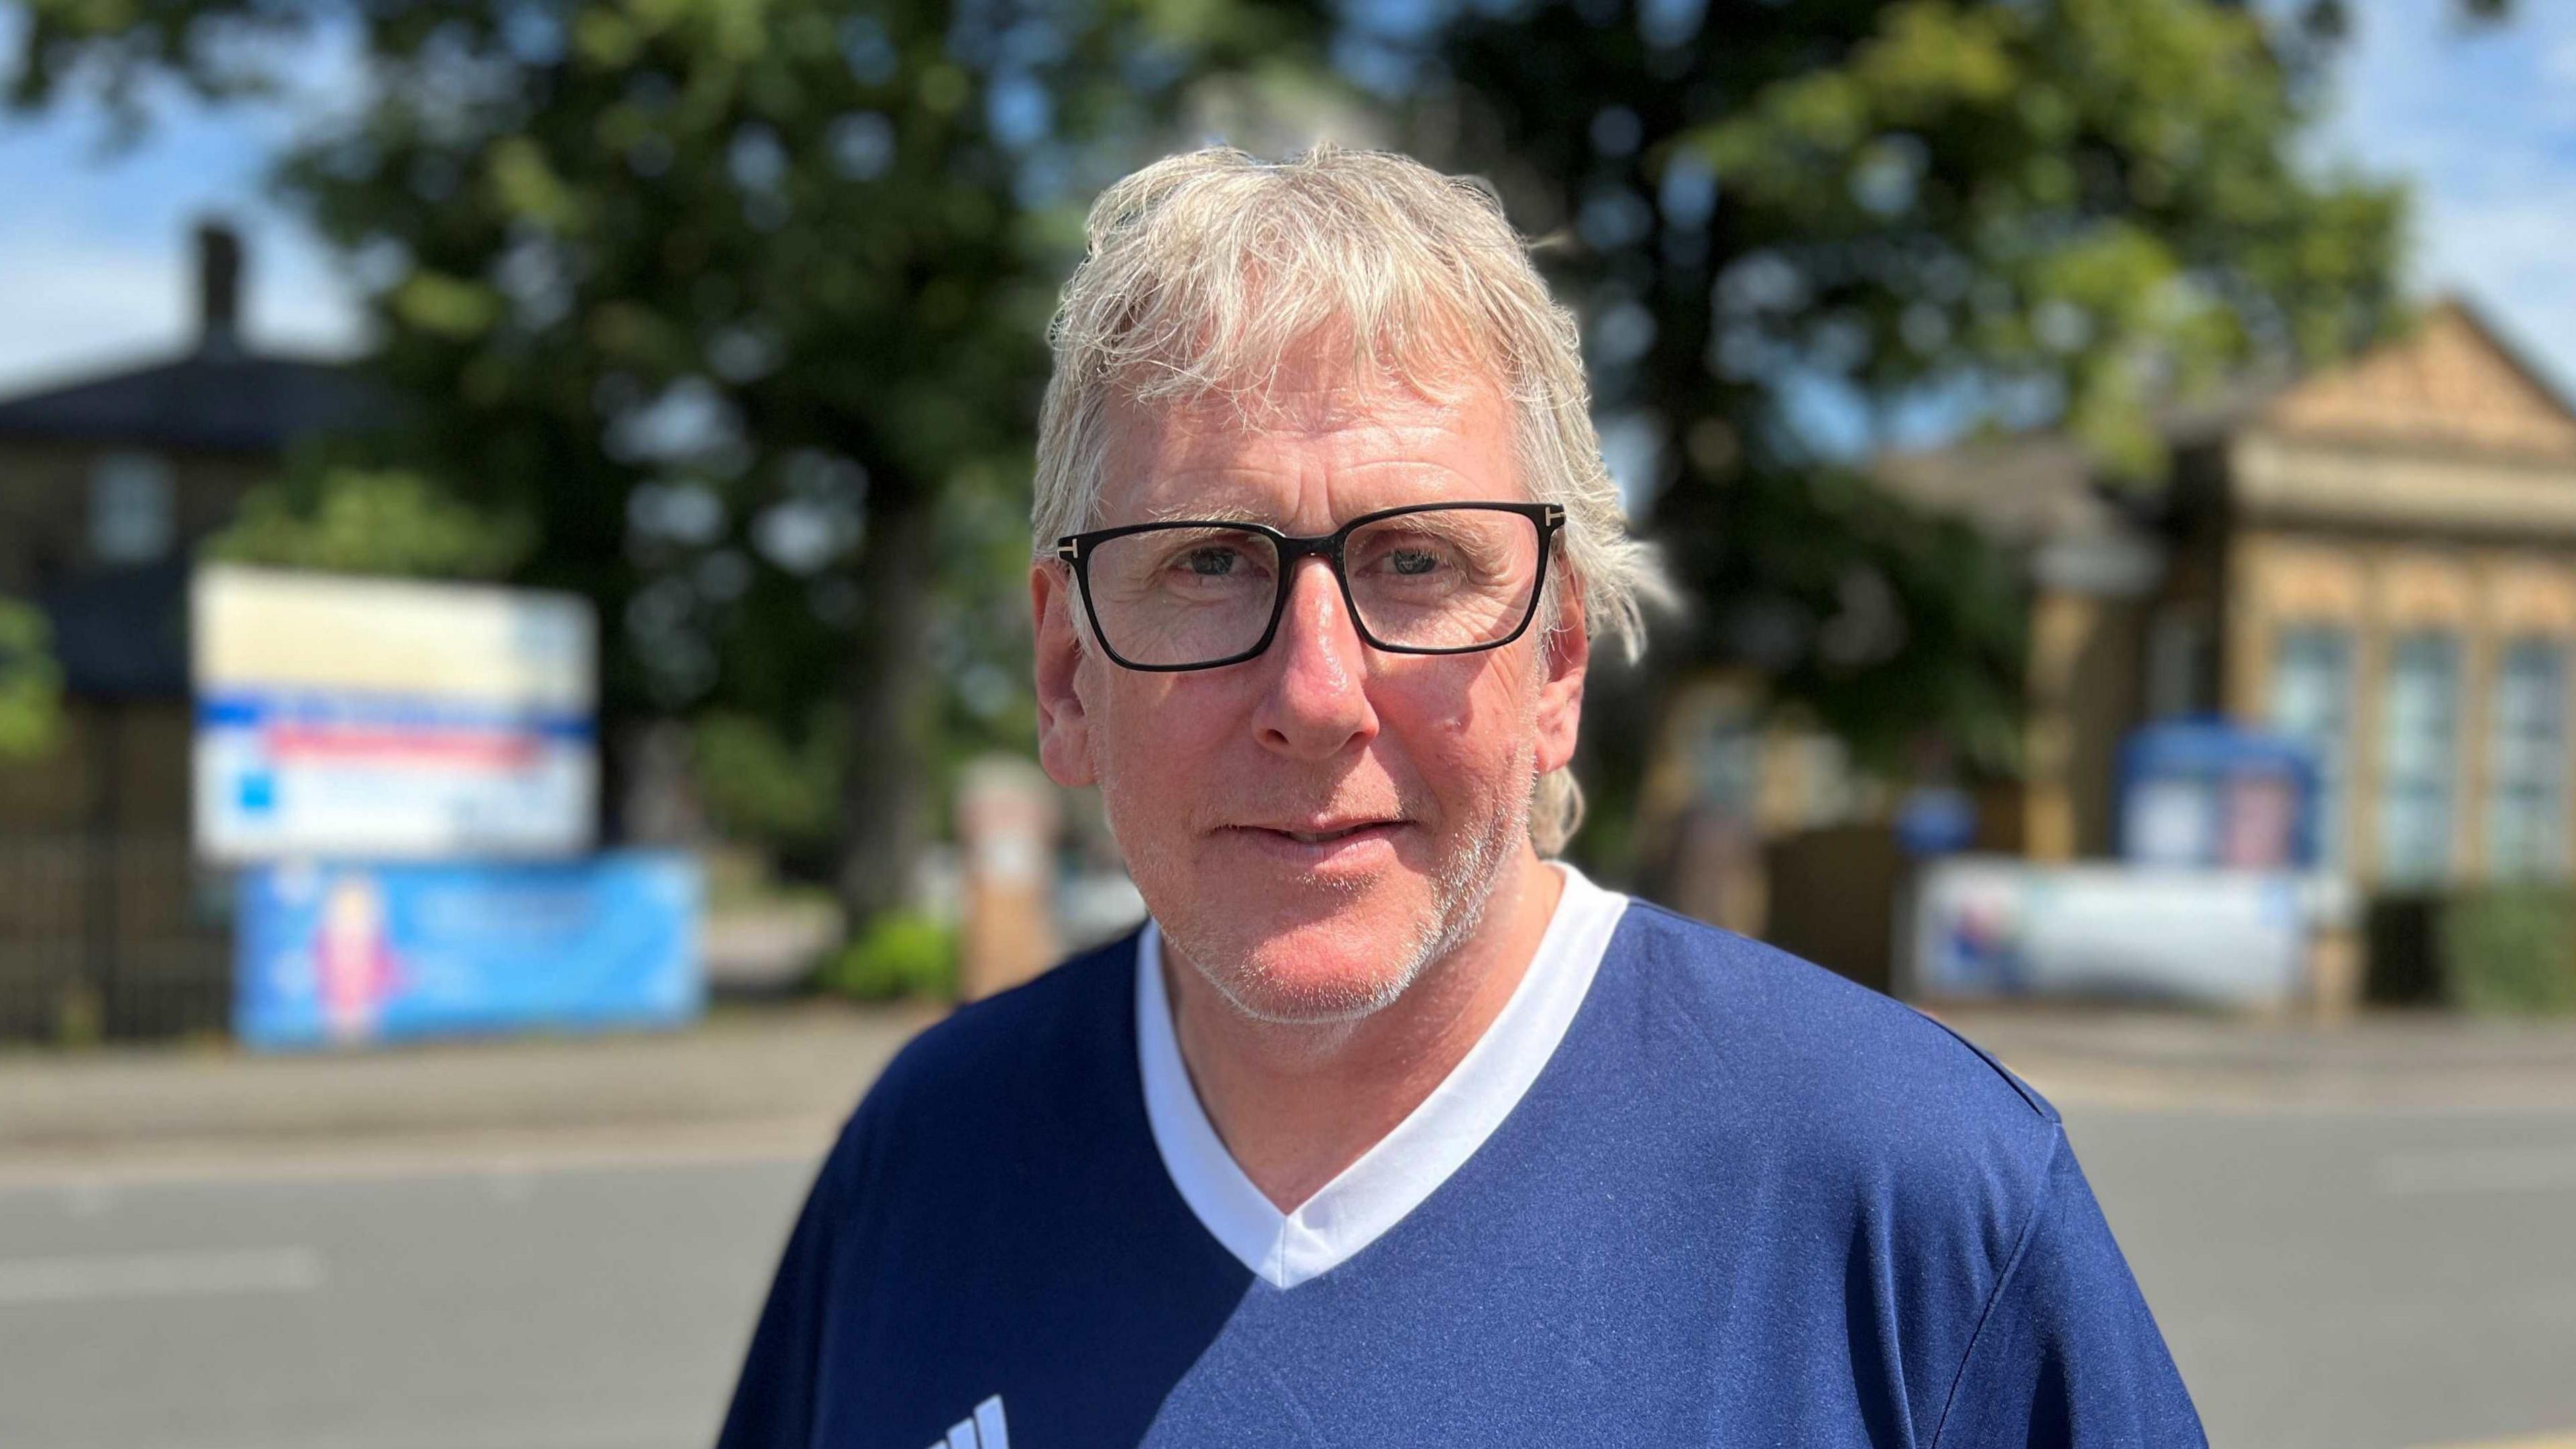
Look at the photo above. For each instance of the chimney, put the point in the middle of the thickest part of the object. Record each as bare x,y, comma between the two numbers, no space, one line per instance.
219,272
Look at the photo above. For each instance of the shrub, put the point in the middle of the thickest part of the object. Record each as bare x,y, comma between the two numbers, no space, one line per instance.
898,954
2510,949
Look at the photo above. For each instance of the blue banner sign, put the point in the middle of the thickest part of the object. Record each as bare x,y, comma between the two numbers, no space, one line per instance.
335,954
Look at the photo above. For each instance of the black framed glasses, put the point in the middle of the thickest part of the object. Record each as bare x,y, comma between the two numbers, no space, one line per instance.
1430,578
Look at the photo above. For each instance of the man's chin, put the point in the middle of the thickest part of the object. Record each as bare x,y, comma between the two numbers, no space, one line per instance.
1286,948
1315,997
1319,973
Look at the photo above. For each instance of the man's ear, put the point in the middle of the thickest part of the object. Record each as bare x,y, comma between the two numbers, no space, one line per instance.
1064,728
1565,652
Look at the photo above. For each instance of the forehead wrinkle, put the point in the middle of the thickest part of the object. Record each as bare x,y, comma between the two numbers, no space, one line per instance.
1196,512
1322,411
1308,391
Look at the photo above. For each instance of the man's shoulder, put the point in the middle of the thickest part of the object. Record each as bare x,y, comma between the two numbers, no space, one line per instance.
1046,1041
1836,1067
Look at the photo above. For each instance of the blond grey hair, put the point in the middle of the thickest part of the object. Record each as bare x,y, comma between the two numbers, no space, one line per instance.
1208,270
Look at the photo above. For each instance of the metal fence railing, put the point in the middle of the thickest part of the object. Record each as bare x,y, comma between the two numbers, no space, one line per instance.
111,935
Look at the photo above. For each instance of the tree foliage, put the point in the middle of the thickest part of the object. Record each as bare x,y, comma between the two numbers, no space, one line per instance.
1798,231
30,684
737,303
737,306
356,520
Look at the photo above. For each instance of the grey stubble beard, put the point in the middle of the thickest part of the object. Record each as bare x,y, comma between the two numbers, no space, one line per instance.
1460,896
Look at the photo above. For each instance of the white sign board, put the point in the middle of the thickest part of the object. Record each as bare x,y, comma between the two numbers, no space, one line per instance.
365,717
1986,926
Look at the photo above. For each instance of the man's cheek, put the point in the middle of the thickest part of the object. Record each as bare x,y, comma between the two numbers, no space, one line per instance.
1468,750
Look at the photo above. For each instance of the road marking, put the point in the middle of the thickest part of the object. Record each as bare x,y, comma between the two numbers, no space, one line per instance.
159,1275
2476,1170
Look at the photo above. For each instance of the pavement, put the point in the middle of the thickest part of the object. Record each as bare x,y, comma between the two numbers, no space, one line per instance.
802,1067
774,1072
2393,1060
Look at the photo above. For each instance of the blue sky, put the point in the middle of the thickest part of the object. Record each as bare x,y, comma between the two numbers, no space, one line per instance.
2483,123
94,249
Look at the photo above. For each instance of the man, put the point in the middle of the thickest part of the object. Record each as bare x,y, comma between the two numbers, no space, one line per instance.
1386,1129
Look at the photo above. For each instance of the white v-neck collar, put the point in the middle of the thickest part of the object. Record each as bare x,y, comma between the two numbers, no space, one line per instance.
1392,1178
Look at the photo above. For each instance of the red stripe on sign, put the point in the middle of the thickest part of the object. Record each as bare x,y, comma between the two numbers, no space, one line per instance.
443,747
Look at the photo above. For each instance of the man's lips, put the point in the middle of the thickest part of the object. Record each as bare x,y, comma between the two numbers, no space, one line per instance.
1321,832
1310,845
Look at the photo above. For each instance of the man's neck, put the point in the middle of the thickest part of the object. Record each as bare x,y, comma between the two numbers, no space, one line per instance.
1295,1104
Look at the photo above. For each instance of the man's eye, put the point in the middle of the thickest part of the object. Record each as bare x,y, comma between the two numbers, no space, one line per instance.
1418,557
1210,563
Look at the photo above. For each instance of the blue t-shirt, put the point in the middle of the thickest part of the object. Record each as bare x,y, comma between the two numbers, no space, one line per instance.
1744,1202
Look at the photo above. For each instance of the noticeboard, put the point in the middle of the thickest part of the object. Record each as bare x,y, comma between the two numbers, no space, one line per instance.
2212,793
1986,926
390,720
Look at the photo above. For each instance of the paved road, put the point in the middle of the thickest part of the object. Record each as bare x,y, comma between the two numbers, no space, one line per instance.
424,1305
2355,1278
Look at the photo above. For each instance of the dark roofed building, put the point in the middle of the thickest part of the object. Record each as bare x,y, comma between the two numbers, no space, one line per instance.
210,401
108,484
132,468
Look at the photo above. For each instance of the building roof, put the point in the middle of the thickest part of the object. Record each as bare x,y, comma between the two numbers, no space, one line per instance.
2015,490
216,398
2453,382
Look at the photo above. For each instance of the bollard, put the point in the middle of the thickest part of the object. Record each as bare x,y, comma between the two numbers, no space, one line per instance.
2338,964
1008,820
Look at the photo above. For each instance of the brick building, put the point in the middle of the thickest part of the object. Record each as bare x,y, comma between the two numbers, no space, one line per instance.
2378,559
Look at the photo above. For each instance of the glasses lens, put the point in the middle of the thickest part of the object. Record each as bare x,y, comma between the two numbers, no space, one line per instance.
1183,595
1445,578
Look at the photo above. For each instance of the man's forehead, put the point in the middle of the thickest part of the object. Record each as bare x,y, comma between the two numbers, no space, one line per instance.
1309,400
1224,457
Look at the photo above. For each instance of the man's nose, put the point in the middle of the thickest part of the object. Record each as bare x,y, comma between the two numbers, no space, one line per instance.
1317,705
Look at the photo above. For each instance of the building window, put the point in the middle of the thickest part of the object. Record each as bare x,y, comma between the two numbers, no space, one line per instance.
2178,664
2526,806
2312,703
2419,731
133,509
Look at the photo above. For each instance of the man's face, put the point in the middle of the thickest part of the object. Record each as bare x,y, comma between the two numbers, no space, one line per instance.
1408,776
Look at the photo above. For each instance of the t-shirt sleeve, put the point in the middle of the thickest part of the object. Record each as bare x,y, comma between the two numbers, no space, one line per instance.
2067,1353
773,1401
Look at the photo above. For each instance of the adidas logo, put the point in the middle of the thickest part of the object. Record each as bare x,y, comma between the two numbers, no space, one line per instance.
985,1431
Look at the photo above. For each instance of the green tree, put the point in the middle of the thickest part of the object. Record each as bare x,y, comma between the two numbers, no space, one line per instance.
1791,228
339,518
738,304
737,301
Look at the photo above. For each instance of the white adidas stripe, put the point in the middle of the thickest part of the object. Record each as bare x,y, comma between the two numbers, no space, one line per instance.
985,1431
